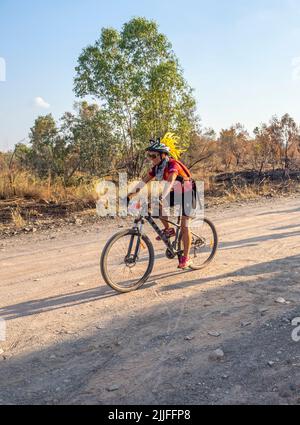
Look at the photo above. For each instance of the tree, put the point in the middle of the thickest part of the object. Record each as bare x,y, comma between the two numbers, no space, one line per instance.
43,137
23,155
265,149
288,138
232,144
201,149
276,144
89,140
82,142
137,78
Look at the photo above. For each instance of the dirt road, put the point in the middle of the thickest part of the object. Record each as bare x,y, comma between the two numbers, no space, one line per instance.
70,339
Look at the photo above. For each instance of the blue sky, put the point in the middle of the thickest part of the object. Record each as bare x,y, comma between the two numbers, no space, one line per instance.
242,57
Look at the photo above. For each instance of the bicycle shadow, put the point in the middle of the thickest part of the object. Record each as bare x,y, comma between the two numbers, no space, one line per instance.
161,276
32,307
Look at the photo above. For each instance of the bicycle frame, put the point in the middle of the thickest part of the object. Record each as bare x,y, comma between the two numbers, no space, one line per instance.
172,248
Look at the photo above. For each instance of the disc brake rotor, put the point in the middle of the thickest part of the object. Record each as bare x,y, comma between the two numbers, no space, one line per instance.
130,261
198,243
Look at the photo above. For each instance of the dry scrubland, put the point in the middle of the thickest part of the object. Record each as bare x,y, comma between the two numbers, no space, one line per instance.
53,180
140,92
28,203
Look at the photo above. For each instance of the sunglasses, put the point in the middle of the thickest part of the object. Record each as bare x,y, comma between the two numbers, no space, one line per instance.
152,155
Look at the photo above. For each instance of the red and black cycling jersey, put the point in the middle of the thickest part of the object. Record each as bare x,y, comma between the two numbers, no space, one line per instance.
182,172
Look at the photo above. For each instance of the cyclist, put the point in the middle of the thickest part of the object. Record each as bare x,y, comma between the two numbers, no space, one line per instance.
166,166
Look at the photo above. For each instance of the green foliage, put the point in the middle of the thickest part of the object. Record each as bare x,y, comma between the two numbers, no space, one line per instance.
43,138
136,76
83,142
89,139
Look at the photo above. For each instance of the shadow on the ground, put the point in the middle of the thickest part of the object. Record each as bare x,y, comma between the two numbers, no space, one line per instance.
29,308
255,240
150,360
291,226
39,306
68,300
287,211
281,269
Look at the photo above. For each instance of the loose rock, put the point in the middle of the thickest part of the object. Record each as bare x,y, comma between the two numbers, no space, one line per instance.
263,311
214,333
245,324
217,354
189,338
113,388
280,300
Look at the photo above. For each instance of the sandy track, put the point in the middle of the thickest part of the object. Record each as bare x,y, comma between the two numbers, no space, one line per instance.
70,339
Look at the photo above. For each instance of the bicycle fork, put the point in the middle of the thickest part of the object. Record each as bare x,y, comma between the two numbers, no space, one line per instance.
132,258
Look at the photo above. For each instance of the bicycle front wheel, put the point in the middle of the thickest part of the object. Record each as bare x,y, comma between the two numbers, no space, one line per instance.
127,261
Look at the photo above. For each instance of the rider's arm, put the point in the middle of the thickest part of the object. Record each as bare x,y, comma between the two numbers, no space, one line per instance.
141,185
170,184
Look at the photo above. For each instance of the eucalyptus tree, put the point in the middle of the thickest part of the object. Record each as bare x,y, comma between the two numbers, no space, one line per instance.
136,77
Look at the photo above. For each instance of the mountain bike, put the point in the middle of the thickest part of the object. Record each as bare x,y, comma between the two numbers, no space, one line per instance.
128,257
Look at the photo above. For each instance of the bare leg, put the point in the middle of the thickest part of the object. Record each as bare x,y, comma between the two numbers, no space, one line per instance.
165,223
186,236
162,217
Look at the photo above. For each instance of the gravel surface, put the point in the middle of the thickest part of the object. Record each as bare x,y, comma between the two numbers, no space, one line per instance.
216,336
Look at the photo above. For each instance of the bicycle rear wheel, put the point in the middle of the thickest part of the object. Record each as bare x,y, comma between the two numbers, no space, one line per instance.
204,243
127,261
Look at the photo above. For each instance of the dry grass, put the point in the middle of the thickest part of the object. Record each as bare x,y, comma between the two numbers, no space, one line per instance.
22,184
18,185
253,191
17,219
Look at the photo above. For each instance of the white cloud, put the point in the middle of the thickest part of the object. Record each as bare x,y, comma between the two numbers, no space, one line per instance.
41,103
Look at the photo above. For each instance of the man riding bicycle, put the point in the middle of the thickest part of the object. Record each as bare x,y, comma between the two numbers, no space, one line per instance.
178,189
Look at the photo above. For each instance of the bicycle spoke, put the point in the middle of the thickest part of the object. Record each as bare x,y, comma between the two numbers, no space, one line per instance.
204,244
127,261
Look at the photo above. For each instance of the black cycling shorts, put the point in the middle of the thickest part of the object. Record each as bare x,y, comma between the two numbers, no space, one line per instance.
187,203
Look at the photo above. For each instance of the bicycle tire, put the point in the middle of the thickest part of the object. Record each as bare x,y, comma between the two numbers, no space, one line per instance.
104,256
214,249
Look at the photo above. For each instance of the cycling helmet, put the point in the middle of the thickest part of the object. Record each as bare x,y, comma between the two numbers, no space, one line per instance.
157,146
